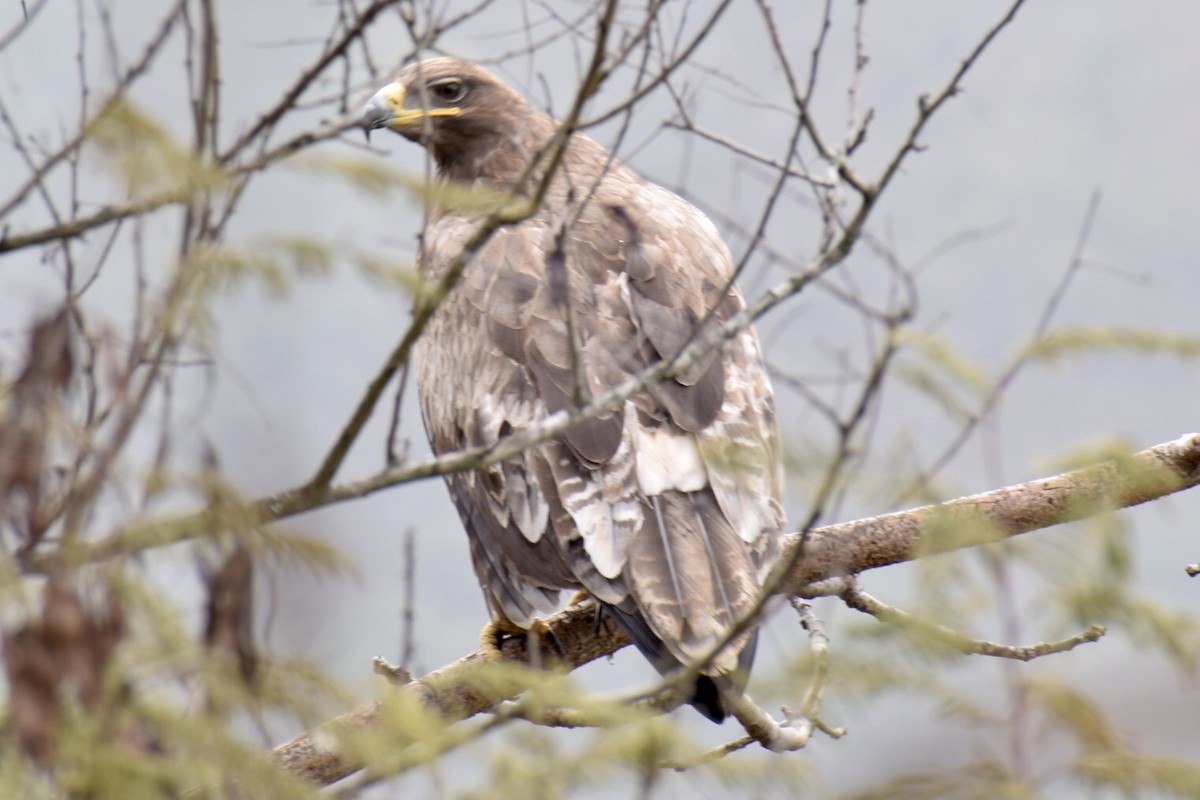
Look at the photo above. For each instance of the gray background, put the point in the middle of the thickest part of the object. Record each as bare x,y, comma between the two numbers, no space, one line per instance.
1077,97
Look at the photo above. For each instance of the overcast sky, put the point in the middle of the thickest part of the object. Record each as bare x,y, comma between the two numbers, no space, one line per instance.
1079,98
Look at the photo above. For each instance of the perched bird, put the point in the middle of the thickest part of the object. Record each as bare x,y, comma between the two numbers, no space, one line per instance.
666,509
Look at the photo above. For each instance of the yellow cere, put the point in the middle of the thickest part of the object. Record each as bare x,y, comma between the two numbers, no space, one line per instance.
394,94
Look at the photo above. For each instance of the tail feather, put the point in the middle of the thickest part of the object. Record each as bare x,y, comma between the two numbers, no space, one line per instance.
713,695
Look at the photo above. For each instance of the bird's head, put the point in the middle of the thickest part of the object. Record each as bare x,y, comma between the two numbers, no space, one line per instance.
460,111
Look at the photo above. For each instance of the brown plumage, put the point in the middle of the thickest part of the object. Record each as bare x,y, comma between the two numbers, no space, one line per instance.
667,509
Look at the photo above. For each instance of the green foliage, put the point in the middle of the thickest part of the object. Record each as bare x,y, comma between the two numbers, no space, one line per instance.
388,271
471,200
1131,773
272,264
624,747
1103,760
378,180
161,725
145,157
1071,577
936,369
373,176
1060,344
983,780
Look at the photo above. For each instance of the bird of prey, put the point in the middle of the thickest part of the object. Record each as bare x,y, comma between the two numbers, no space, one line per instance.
665,509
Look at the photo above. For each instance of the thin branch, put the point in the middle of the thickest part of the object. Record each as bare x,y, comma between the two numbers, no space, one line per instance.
927,107
688,126
81,225
1010,373
20,27
861,601
454,691
800,97
137,208
849,548
287,101
72,145
664,72
803,722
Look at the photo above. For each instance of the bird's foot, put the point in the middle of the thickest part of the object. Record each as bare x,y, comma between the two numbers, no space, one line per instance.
498,631
493,635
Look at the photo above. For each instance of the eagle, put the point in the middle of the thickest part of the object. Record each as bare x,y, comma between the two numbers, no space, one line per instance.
666,509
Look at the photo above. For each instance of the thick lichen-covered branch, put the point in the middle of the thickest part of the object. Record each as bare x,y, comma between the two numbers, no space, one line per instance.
457,691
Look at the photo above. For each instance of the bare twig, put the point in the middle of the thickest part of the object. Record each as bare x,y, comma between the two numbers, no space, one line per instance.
802,722
394,673
72,145
753,155
137,208
928,106
22,24
663,73
1010,373
861,601
287,101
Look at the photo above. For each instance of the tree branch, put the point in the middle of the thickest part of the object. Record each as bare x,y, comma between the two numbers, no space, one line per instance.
830,553
861,601
852,547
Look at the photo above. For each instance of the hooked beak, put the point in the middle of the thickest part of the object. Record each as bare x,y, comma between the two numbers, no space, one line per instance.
386,109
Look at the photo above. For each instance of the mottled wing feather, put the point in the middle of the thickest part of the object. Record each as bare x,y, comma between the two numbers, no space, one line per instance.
725,536
667,508
508,592
579,519
741,452
689,575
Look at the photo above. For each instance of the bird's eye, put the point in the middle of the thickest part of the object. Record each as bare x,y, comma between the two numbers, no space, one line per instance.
449,91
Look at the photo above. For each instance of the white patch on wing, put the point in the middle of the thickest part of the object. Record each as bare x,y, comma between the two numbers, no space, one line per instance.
593,519
668,460
605,507
521,501
740,450
529,509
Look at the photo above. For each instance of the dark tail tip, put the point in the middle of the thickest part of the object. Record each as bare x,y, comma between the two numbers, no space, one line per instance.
708,701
